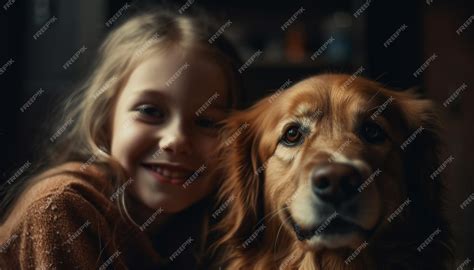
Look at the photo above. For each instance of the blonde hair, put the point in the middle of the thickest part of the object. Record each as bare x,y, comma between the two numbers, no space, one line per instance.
90,108
123,49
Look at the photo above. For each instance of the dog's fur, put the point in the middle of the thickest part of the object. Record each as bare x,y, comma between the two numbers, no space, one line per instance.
268,182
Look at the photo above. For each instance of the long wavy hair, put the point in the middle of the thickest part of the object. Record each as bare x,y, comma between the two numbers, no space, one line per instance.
90,107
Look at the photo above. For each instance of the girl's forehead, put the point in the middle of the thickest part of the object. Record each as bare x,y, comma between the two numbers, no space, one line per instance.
192,79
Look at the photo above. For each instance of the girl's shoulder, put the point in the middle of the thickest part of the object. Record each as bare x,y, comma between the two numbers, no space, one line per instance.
70,183
65,186
64,218
53,214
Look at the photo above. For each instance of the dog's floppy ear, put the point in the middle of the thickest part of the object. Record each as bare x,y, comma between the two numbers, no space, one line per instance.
422,148
243,181
421,153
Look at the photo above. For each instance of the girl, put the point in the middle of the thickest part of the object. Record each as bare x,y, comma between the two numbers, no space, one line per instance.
131,180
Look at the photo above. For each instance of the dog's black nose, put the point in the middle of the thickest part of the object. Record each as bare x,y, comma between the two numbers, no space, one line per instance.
335,183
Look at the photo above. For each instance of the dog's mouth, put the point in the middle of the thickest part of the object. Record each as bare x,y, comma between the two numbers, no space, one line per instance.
334,225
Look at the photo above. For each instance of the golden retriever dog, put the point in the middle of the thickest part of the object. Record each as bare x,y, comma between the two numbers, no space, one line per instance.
336,172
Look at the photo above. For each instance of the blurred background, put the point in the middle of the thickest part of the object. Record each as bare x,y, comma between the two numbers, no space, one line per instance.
387,40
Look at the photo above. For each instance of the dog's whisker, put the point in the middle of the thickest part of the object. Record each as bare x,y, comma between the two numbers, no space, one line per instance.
334,134
278,234
273,213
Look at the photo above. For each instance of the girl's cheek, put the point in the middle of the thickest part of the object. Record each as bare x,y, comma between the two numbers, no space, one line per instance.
130,145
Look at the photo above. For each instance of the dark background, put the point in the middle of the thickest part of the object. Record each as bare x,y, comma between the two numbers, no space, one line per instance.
431,28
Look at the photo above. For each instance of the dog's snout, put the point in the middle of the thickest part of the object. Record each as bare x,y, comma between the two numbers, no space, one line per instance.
335,183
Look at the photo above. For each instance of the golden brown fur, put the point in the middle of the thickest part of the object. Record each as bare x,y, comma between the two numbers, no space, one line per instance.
266,180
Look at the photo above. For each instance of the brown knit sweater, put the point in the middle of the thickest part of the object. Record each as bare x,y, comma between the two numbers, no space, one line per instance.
65,221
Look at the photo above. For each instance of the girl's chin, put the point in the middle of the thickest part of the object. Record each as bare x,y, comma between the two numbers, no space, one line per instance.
173,198
162,200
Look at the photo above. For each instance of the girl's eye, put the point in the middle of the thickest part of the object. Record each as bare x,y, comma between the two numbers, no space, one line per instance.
372,133
149,111
207,123
293,135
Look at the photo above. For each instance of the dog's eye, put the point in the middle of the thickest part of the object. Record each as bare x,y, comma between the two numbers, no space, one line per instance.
292,136
372,133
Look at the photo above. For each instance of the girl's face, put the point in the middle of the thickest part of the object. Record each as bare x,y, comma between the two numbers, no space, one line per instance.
164,129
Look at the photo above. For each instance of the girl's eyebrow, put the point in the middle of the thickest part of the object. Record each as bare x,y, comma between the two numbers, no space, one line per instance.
149,92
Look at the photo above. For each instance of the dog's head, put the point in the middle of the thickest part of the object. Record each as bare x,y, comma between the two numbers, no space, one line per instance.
339,160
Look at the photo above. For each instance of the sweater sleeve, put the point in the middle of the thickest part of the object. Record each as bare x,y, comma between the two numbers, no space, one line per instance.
65,231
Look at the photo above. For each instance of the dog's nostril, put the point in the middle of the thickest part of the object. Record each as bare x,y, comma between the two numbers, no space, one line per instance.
349,185
334,183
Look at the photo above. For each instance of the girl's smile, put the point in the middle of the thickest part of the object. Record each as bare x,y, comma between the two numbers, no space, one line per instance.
167,173
136,175
171,131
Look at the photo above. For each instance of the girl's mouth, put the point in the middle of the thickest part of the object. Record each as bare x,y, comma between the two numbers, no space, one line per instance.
168,174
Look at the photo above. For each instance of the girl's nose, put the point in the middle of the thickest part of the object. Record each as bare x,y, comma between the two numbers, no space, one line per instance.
174,139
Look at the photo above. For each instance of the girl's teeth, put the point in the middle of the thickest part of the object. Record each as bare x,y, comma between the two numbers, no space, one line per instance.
169,173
